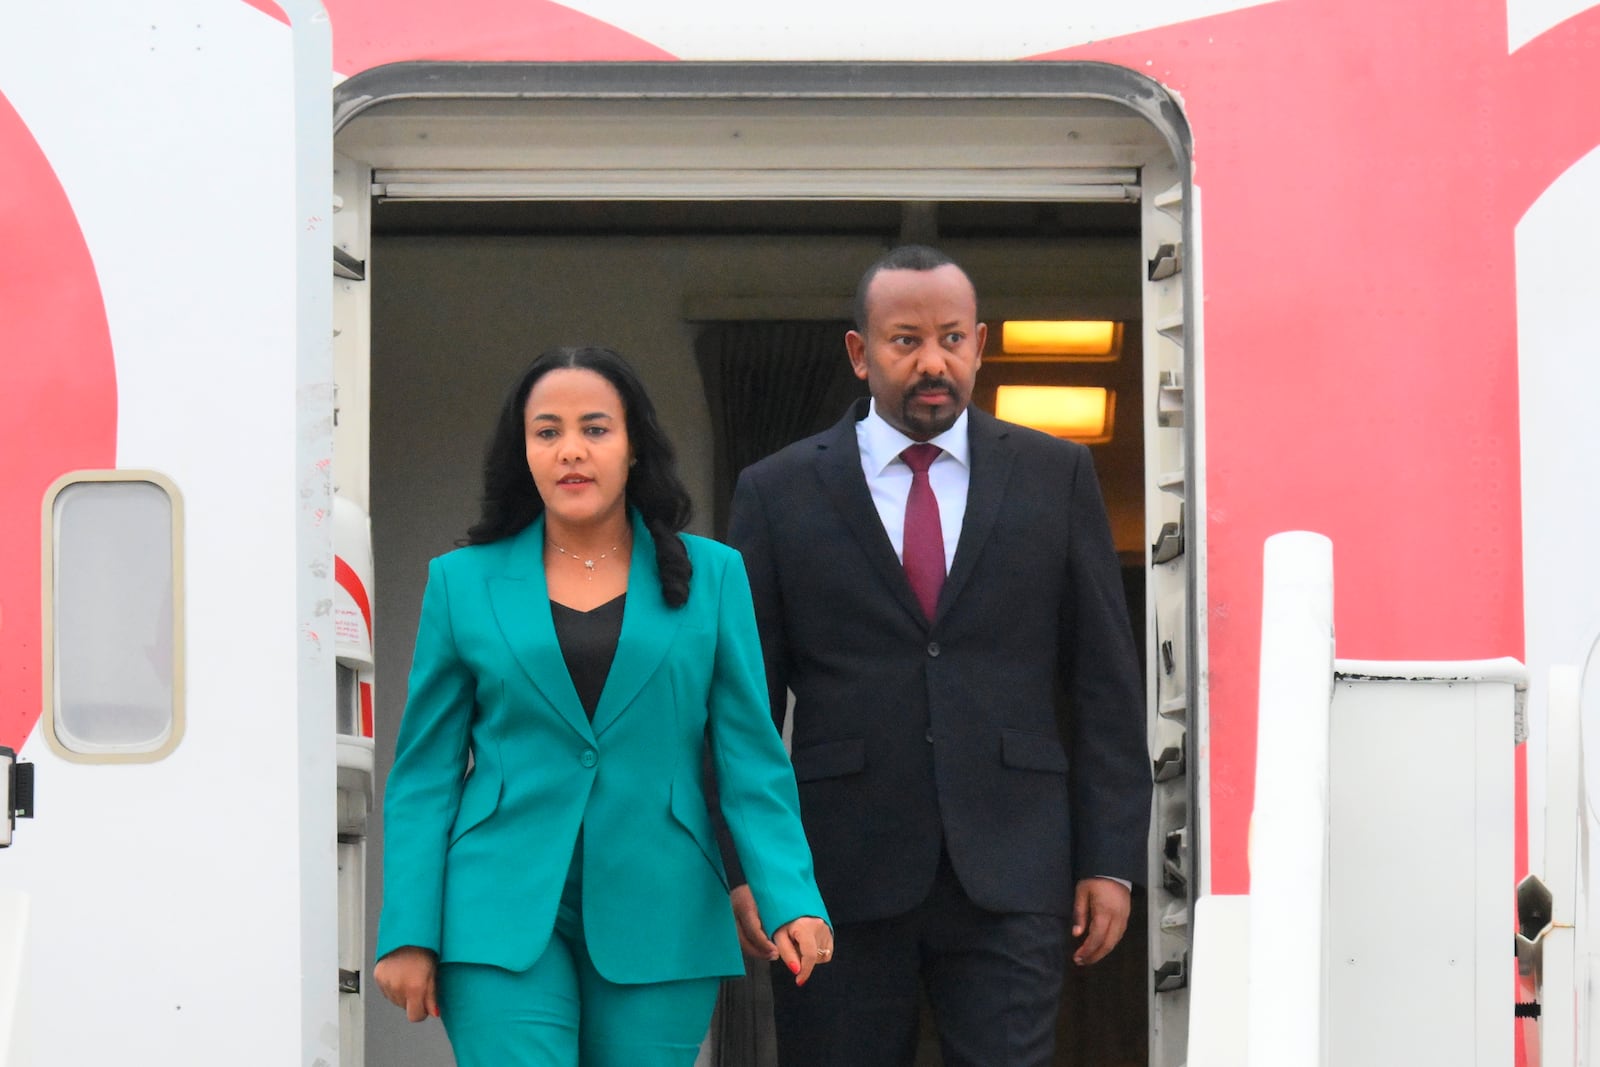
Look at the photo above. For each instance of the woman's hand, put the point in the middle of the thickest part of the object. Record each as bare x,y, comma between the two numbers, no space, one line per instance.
802,944
407,977
752,938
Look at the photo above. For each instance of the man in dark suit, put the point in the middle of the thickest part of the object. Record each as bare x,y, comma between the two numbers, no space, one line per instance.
968,729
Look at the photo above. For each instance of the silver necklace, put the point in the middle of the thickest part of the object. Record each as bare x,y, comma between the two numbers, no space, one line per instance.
588,564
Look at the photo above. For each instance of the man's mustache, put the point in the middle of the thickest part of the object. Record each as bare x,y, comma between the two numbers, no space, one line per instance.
932,385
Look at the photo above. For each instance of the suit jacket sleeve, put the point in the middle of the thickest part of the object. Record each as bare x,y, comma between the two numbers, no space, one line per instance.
747,531
758,796
1106,730
751,533
423,791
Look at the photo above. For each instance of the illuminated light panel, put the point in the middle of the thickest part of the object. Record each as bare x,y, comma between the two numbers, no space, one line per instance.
1059,338
1076,412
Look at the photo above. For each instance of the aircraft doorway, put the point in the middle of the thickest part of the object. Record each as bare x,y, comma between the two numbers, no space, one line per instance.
463,291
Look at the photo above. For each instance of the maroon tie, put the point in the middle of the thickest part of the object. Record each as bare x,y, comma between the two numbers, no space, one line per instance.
923,551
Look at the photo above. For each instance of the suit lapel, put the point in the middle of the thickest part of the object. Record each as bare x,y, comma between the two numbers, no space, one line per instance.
649,627
991,465
839,470
521,604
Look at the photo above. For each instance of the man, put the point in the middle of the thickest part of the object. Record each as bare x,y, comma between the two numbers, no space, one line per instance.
930,607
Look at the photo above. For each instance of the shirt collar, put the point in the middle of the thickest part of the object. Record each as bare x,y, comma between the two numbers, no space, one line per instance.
882,444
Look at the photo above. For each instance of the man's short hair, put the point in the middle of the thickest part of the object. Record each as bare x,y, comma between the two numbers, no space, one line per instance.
901,257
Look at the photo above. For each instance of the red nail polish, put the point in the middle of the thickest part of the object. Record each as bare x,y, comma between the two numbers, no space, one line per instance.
794,968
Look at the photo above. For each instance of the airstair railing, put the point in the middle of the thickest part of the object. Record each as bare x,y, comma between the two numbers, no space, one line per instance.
1547,905
1289,824
1557,949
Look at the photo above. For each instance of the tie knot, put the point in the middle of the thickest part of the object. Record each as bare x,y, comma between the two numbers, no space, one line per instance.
920,457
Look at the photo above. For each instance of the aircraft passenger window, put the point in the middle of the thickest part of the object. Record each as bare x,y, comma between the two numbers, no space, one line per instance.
111,620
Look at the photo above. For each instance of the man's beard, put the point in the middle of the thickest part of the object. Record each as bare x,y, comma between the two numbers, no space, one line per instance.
930,421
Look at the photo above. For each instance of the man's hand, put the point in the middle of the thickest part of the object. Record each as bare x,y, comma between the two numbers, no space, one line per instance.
752,938
407,977
1100,916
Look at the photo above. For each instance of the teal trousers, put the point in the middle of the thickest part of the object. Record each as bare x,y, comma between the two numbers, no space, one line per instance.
561,1013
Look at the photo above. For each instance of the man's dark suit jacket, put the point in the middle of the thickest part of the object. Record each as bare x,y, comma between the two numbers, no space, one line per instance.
908,732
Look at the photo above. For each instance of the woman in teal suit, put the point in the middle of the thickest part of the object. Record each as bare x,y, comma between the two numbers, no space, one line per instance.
552,886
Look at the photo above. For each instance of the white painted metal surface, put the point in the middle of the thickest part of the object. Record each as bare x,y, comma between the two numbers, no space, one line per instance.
1170,722
352,333
897,29
1420,840
16,1000
1199,681
316,844
709,149
1586,943
1527,19
353,643
1288,836
1220,982
182,911
1381,847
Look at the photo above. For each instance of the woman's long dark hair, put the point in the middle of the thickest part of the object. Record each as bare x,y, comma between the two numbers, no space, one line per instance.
511,501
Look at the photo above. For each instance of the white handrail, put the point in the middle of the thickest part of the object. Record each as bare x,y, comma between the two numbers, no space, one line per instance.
1289,825
1586,946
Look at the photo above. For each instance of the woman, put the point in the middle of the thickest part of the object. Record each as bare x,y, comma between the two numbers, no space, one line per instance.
563,901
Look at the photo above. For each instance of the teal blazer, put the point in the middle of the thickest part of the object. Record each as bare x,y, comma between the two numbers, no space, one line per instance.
475,863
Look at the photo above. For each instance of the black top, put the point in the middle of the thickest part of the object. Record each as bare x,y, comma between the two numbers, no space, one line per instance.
588,643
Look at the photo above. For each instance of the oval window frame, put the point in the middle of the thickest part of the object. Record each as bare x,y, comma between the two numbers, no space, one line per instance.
49,711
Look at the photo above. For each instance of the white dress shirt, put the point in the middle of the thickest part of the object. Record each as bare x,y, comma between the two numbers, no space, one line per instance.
889,478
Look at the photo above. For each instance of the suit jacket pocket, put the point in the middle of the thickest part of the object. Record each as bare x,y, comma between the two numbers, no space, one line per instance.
1032,752
479,798
688,804
830,759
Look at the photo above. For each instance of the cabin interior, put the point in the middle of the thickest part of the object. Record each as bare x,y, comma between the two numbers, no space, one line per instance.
734,314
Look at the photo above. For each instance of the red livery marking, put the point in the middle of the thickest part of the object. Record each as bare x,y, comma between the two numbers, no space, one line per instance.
58,393
270,8
1359,259
350,582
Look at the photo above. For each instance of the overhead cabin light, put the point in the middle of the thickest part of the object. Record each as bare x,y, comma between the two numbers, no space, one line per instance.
1064,340
1078,413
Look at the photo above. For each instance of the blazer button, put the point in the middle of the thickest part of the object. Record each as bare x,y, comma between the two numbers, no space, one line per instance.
933,648
588,759
928,735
